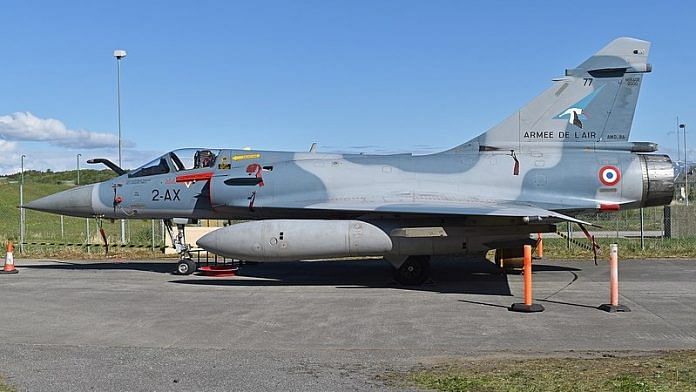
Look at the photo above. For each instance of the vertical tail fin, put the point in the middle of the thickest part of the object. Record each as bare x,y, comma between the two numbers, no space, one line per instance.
594,102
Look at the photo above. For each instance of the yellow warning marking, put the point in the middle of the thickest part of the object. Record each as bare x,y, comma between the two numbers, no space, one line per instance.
245,156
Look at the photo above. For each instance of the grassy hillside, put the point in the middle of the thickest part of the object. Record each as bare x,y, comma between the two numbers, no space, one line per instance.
87,176
44,227
4,387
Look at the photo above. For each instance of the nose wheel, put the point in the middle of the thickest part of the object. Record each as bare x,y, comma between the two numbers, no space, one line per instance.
186,267
414,271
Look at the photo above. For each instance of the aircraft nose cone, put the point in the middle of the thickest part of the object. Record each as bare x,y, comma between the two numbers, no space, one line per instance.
73,202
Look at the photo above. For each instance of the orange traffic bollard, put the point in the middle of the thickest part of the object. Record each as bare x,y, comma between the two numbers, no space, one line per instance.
9,267
540,247
613,306
527,306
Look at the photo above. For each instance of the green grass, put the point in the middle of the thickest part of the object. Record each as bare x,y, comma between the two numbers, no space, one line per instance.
4,387
41,226
44,227
556,248
87,176
674,371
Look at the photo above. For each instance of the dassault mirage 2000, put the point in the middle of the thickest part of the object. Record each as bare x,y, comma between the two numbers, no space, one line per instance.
564,153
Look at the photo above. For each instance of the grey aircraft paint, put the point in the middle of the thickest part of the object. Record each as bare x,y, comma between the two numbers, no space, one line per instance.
565,152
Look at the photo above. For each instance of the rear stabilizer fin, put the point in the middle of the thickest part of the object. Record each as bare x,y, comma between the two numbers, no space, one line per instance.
594,103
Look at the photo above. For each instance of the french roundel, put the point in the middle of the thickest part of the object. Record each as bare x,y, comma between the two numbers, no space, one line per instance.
609,175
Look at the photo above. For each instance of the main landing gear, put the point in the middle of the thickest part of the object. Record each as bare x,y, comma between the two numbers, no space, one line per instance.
414,271
186,265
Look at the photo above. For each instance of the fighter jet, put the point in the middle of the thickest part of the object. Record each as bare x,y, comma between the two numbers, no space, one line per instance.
564,153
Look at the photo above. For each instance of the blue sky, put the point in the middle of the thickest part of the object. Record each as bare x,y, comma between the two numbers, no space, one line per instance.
374,76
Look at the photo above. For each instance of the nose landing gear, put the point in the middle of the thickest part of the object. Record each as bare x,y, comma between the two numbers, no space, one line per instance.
186,265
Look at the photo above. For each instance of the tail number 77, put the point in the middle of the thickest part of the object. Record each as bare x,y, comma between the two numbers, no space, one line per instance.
168,195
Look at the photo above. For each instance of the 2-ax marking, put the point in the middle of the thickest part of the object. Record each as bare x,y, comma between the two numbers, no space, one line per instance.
169,195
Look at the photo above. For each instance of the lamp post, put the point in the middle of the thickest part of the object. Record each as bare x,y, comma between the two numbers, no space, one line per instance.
119,54
678,142
21,206
686,164
78,168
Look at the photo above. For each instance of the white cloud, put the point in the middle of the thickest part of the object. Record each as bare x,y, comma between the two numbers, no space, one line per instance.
24,126
9,157
6,146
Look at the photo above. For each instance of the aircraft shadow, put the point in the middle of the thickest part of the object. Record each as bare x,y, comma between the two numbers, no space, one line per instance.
552,268
445,277
448,275
115,265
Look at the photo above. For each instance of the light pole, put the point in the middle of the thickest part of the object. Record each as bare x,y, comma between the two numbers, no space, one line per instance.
686,164
78,168
678,142
21,205
119,54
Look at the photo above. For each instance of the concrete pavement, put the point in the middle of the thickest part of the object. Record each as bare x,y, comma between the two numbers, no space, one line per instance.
334,325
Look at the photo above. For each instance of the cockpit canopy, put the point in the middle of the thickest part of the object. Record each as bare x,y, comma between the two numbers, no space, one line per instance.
178,160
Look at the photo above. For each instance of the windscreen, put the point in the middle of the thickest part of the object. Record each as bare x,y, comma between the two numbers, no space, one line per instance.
157,166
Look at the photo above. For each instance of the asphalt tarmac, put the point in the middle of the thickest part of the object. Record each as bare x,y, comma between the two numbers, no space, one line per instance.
334,325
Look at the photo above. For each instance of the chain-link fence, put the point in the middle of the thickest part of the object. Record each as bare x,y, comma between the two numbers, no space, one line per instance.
85,235
82,234
46,230
628,223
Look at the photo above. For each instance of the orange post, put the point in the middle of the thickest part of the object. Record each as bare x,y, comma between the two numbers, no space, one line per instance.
528,275
613,305
613,275
527,306
540,247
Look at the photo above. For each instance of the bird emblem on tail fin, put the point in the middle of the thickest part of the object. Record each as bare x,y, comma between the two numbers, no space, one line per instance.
575,114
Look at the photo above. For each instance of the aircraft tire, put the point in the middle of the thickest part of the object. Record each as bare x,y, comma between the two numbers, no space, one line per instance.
414,271
186,267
